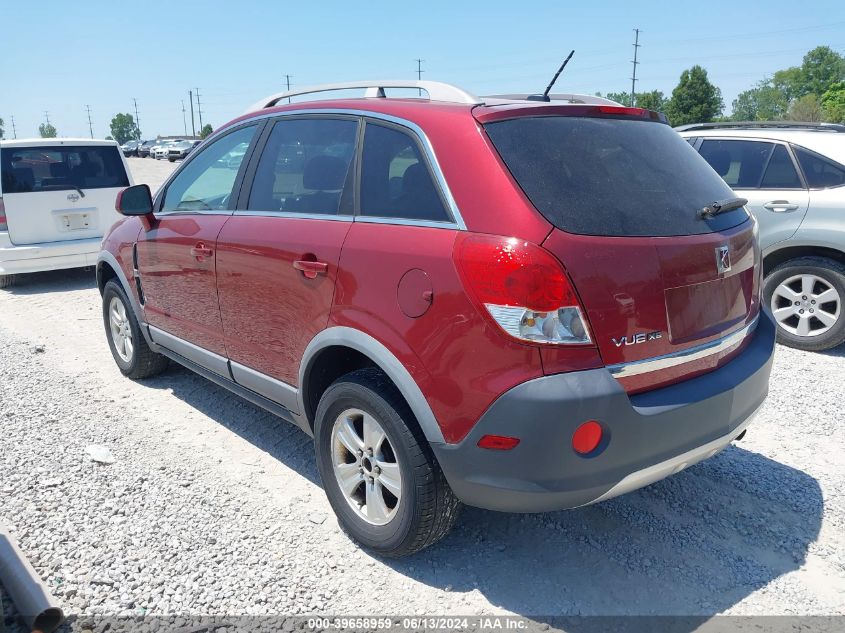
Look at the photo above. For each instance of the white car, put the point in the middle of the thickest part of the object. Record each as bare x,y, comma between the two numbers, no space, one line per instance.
57,199
161,150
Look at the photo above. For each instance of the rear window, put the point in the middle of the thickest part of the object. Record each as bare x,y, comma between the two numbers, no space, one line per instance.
819,172
614,177
56,168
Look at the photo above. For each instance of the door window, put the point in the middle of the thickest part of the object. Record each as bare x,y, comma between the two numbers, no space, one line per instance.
395,180
740,163
206,182
304,167
819,172
780,172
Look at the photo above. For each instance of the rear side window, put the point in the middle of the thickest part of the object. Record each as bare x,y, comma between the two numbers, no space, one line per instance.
58,168
205,183
395,179
603,176
740,163
780,172
819,172
304,167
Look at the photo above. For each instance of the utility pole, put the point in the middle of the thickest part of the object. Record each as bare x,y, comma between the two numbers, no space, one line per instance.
47,116
419,72
14,130
635,62
137,120
199,108
184,120
287,82
193,127
90,127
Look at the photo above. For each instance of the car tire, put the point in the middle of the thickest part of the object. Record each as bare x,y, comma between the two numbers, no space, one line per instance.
135,360
794,288
7,281
401,459
172,160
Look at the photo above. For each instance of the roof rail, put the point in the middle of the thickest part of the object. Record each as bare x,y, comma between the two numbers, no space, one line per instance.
783,125
437,91
569,98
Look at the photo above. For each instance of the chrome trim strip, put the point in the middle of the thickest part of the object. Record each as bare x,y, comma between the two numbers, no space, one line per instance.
637,367
201,356
275,390
676,464
292,214
405,222
416,129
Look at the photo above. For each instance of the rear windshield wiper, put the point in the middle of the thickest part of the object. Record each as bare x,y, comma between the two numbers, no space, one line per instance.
81,193
721,206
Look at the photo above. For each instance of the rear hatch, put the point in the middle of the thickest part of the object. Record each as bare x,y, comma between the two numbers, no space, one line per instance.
623,191
59,192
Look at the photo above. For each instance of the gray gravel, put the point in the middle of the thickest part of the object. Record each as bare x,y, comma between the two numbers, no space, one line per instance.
212,506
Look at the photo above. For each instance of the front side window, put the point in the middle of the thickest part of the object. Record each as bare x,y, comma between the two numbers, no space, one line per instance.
206,182
740,163
304,167
819,172
395,180
61,167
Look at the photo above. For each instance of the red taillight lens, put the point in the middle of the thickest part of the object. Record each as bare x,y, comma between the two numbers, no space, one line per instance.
498,442
587,437
3,225
523,287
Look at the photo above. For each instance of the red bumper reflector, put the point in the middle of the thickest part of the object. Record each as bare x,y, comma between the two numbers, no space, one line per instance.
498,442
587,437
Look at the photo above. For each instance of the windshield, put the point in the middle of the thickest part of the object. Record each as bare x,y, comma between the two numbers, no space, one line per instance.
615,177
57,168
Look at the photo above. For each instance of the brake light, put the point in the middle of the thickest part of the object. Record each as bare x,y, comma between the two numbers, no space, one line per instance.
3,223
498,442
523,288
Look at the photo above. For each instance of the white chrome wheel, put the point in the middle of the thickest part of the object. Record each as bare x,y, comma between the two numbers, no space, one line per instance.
365,466
806,305
121,332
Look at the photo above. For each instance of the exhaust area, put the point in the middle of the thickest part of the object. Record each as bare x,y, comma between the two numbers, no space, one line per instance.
38,608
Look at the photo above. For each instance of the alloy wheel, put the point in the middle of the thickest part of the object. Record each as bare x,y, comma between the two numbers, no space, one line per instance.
806,305
121,332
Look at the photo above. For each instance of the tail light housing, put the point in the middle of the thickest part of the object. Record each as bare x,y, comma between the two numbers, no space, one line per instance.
523,289
4,226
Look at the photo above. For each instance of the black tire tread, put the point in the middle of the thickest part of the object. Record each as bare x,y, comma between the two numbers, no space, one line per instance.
7,281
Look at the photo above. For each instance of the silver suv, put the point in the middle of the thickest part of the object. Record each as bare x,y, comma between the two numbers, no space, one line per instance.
793,175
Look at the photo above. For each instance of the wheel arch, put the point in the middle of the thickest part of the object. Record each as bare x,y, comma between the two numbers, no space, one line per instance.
339,350
775,258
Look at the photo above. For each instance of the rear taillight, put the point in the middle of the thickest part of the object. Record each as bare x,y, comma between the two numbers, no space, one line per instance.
523,288
3,224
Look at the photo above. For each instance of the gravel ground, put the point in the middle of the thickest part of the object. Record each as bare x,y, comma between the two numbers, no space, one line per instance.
213,506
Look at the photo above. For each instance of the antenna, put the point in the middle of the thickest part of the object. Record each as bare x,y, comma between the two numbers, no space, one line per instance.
287,83
545,95
90,128
635,62
420,71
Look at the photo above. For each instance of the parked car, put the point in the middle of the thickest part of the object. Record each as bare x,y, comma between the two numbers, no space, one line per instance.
180,150
144,148
793,175
56,201
547,330
130,148
159,151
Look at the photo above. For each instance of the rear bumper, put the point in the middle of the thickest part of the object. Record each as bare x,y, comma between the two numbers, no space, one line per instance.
31,258
651,435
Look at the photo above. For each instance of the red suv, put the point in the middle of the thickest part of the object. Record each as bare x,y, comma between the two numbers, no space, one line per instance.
518,304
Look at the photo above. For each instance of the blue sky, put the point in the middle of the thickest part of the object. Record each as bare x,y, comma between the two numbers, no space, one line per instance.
60,56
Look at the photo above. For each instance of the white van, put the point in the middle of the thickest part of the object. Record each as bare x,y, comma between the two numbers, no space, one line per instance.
56,201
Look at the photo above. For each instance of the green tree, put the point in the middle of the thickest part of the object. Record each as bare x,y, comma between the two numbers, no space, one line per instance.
653,100
619,97
206,130
47,130
124,128
833,103
765,102
821,68
694,99
806,108
1,127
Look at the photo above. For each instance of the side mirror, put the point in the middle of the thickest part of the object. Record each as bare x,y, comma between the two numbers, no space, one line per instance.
135,200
